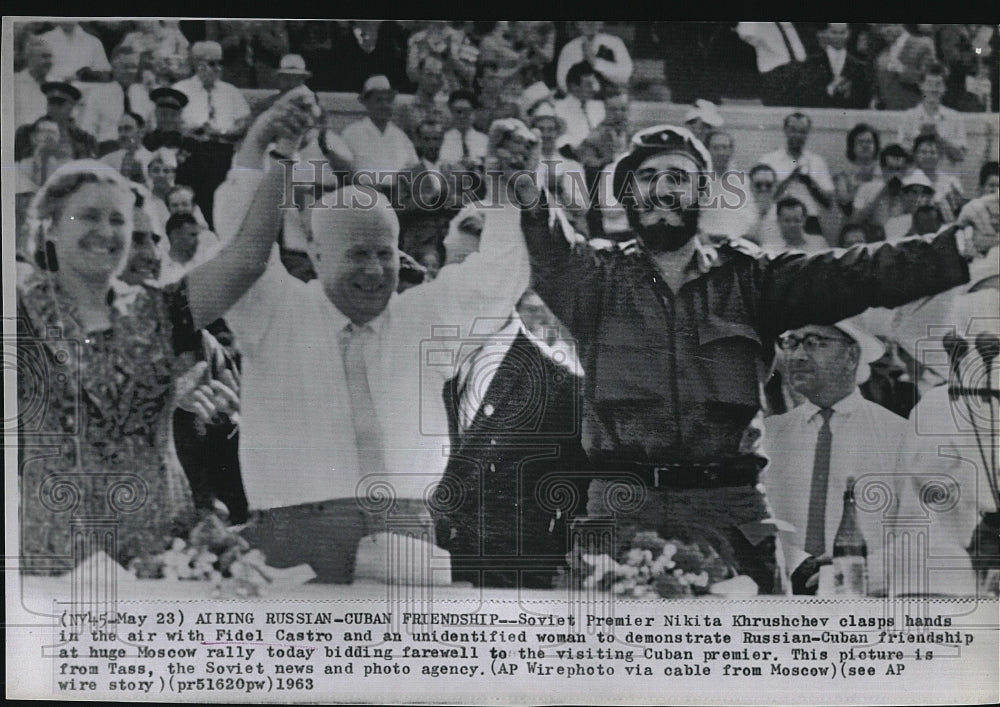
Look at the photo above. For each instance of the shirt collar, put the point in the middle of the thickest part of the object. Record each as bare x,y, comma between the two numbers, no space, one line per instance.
845,407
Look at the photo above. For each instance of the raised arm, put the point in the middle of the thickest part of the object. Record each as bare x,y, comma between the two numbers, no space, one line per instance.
251,198
796,289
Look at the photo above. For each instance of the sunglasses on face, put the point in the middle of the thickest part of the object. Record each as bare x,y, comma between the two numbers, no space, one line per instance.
141,238
810,342
763,186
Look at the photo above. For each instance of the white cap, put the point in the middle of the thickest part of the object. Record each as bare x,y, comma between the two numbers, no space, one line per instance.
706,111
293,65
916,178
376,83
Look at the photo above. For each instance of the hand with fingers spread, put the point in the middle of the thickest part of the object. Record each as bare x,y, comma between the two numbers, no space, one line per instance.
208,398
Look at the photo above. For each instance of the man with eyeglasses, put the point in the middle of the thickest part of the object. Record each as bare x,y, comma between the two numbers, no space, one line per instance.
675,336
833,435
216,115
763,187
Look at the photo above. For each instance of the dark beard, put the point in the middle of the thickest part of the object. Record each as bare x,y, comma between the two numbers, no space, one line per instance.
662,237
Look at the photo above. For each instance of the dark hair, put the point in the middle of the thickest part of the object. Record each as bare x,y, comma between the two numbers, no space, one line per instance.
177,220
934,69
576,73
790,202
139,120
894,150
122,50
761,168
463,94
988,170
922,139
799,115
853,135
847,228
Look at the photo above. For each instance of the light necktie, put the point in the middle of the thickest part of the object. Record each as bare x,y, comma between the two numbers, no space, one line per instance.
367,430
469,396
816,525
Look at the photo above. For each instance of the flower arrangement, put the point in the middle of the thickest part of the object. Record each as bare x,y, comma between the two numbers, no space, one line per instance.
652,566
212,553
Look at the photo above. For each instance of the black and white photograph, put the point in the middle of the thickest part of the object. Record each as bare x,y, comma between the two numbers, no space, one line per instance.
599,362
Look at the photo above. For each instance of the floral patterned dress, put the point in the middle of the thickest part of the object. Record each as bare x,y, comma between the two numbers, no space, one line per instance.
97,465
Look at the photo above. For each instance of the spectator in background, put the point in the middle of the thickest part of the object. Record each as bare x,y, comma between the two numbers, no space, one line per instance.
448,44
131,159
162,48
499,57
803,174
29,100
948,196
180,200
75,52
107,102
251,49
900,66
862,154
932,118
703,118
376,143
965,51
162,171
48,153
580,109
763,185
852,234
60,101
917,191
791,225
609,139
363,48
429,102
215,107
832,77
536,41
463,144
728,211
216,116
989,178
779,56
427,194
563,177
604,52
190,245
168,131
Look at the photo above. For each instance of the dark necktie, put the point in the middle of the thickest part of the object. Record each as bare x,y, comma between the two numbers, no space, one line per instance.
788,43
465,147
816,525
126,103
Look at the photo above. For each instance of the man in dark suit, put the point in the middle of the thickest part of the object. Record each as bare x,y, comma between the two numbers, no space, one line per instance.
517,471
832,77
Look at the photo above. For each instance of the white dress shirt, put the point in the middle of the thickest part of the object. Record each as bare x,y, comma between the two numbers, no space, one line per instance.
377,151
104,103
172,271
950,125
775,244
618,71
580,120
227,100
74,51
809,163
729,209
297,441
939,452
142,156
29,102
865,445
837,57
765,38
451,148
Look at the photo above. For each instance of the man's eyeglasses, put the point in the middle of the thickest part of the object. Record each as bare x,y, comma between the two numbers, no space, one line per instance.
141,238
809,342
762,186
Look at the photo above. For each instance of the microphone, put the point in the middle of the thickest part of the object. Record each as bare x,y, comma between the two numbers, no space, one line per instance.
957,348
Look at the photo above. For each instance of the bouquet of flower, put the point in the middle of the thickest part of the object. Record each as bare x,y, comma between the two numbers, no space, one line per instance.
212,553
652,566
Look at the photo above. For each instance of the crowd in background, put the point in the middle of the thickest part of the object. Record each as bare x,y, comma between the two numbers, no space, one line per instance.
162,103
